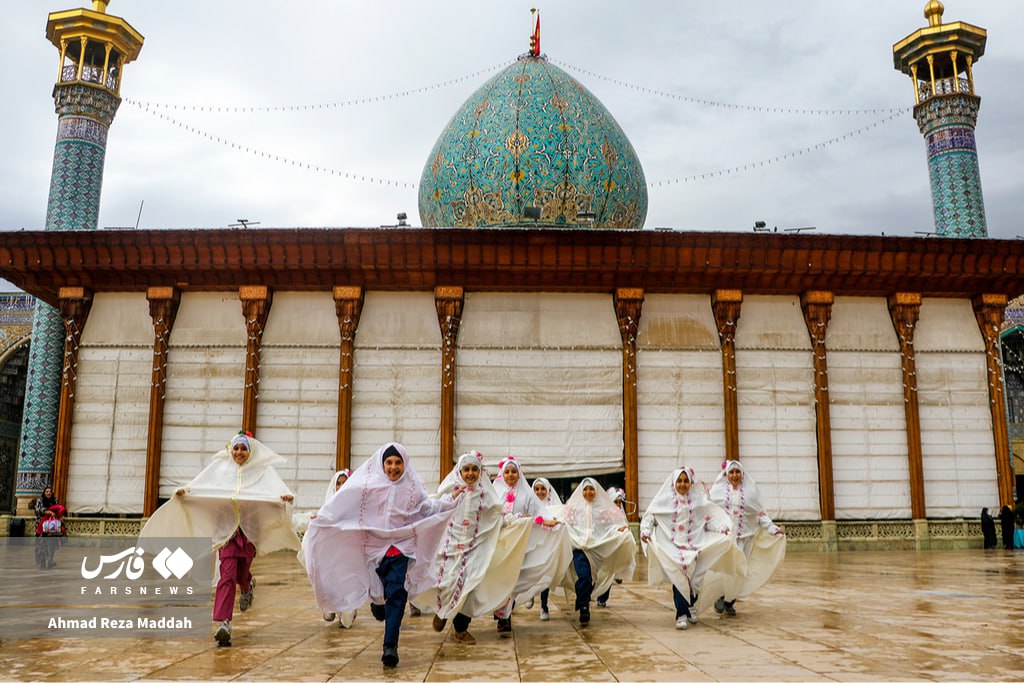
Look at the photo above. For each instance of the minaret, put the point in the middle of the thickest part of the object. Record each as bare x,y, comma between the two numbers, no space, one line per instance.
939,60
94,49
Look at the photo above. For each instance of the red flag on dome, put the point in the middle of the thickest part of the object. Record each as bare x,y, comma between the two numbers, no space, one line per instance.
536,38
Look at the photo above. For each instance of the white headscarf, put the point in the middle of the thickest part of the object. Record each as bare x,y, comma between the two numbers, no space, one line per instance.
226,496
595,529
751,527
689,537
477,565
355,528
332,486
553,502
521,500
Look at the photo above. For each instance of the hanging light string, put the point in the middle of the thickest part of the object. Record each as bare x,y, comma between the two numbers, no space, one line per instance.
321,105
374,180
260,154
729,105
773,160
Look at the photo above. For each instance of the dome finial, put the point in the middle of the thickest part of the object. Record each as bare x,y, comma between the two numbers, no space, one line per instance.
100,6
535,36
933,12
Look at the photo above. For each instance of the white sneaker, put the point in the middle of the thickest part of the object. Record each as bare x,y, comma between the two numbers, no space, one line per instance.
529,604
544,616
223,634
692,617
329,617
682,624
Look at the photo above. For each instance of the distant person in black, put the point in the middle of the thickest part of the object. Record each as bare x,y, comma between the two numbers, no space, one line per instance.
1006,526
988,529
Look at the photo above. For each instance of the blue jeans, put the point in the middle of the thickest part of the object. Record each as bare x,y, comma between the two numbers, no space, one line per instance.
391,571
584,579
682,604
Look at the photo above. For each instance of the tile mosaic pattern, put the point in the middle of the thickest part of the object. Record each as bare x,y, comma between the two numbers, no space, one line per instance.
532,136
73,204
947,122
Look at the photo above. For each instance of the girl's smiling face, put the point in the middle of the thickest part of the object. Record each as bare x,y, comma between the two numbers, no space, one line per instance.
240,453
540,490
682,484
735,477
511,476
470,473
394,467
589,493
341,481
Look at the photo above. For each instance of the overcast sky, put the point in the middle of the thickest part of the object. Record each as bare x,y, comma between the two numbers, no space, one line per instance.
792,54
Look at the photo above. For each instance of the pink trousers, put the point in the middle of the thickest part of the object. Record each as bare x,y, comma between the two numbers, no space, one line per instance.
236,558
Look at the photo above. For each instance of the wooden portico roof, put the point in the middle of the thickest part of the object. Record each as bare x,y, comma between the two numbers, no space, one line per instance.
540,259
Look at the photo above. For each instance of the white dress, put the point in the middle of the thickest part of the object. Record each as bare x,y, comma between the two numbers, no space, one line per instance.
751,528
549,550
480,553
594,528
356,527
688,538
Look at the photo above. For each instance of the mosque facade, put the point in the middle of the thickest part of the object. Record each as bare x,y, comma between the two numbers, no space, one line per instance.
858,378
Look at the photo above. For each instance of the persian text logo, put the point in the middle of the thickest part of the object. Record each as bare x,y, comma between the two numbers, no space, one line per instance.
130,562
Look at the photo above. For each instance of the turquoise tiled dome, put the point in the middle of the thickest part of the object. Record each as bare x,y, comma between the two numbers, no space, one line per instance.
532,136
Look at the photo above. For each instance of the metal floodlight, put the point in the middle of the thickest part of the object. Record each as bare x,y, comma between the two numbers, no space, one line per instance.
531,212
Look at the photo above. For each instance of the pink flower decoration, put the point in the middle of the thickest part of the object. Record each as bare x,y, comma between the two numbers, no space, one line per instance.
510,496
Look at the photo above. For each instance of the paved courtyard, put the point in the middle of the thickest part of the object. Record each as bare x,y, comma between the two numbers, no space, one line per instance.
862,616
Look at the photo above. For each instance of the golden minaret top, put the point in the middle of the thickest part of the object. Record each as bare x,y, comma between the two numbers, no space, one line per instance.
933,12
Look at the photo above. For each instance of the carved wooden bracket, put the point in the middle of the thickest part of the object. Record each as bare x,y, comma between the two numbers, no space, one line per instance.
989,310
163,309
75,304
905,309
726,305
817,308
628,306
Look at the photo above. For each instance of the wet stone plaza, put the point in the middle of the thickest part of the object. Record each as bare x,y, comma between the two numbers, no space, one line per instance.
850,616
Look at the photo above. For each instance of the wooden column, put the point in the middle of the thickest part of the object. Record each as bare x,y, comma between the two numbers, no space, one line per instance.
448,301
163,307
726,304
905,309
256,302
75,303
989,309
348,304
628,305
817,307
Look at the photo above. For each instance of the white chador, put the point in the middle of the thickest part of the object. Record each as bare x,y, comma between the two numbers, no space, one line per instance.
360,523
688,537
479,557
596,528
226,496
549,550
751,528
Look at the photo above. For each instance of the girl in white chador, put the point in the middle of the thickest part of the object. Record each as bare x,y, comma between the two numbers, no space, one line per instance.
618,497
603,546
337,481
762,542
376,539
549,550
240,502
480,555
685,535
547,495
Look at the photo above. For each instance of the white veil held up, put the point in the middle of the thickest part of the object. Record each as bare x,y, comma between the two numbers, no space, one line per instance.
751,527
688,538
594,528
355,528
226,496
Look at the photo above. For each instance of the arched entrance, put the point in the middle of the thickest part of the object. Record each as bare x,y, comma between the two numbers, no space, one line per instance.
13,372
